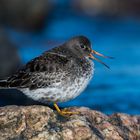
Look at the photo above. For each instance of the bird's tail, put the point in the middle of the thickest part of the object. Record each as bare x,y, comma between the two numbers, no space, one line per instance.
3,84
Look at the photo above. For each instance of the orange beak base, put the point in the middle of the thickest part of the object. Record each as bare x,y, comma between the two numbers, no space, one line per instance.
96,53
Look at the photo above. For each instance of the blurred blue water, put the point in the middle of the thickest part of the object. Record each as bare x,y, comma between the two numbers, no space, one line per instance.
115,90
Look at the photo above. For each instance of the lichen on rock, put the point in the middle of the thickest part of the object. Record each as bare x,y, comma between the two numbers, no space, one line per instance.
42,123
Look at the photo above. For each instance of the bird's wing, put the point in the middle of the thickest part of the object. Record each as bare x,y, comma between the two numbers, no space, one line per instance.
40,72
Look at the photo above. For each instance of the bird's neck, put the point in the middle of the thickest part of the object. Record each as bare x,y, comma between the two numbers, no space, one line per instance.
85,63
61,51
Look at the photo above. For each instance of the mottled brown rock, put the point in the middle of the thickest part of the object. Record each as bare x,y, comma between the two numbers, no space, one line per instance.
42,123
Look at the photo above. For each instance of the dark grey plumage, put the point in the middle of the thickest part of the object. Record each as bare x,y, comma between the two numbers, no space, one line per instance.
66,68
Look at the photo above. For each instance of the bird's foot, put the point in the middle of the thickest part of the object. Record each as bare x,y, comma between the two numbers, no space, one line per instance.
65,111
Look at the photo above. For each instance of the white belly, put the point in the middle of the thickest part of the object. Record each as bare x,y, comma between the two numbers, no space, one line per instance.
61,92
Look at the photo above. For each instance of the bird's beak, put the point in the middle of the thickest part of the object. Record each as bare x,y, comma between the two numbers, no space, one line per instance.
96,53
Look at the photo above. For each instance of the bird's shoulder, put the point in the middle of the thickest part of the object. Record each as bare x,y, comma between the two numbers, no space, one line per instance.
48,61
43,67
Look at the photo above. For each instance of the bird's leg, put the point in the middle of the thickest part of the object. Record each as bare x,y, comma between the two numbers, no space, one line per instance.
64,112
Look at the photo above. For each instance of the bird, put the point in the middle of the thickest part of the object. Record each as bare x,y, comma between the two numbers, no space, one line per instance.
57,75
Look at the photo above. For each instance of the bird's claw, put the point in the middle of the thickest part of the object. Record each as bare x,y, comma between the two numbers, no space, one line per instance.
65,112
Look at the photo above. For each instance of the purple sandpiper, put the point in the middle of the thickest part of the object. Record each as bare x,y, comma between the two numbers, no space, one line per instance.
58,75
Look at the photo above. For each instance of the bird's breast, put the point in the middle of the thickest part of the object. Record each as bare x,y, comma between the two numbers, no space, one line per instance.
85,75
78,80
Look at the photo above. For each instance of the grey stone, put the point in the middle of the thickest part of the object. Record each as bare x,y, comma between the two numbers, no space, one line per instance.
42,123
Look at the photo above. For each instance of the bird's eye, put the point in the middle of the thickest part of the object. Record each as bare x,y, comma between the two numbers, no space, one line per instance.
83,46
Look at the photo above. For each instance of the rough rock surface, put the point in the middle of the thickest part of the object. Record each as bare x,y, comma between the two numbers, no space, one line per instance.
42,123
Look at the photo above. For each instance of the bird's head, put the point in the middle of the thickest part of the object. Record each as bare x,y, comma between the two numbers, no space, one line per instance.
81,47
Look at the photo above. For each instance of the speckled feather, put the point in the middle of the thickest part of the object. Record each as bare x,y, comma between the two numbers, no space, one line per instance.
40,72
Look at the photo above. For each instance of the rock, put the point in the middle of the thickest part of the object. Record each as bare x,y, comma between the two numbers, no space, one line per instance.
24,14
9,57
110,8
42,123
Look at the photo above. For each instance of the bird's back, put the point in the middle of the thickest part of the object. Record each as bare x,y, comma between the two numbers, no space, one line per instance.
35,71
